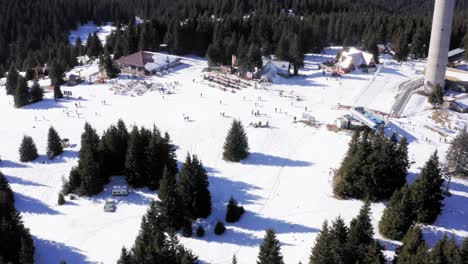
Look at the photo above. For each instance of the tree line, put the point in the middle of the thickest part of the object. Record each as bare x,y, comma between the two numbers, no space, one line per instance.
36,32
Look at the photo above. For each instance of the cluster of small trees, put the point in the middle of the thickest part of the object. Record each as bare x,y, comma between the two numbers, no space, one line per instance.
141,155
415,250
373,168
339,244
186,198
16,244
154,244
17,86
419,203
28,149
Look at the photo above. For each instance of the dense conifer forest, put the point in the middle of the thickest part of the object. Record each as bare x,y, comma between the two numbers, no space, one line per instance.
35,32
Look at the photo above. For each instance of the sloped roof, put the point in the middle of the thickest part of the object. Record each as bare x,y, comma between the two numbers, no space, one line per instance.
135,59
456,52
147,60
356,57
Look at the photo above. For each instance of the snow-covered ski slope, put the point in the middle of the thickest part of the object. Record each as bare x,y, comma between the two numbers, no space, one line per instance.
285,184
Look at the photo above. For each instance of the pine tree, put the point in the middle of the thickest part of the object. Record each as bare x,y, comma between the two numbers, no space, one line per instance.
282,51
323,247
465,41
79,47
22,95
401,47
193,189
169,202
254,56
413,250
234,211
12,80
157,154
457,155
37,94
296,54
360,235
219,228
28,150
427,191
436,97
270,249
374,254
373,49
187,230
373,168
125,257
54,143
16,244
56,74
464,251
338,237
93,46
200,231
57,92
445,252
107,65
91,180
236,147
419,43
113,148
74,180
61,199
213,54
134,162
398,216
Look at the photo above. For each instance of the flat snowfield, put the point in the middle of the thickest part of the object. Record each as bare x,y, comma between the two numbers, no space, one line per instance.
285,184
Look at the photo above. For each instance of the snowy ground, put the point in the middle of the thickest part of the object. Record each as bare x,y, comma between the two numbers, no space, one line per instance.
285,184
84,30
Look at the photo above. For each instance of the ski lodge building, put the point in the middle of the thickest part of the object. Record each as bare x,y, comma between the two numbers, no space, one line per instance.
272,68
147,63
353,59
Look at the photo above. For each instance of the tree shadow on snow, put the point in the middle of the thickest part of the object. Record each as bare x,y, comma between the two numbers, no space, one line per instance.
221,190
67,154
452,221
255,222
16,180
12,164
251,222
26,204
48,251
270,160
46,103
459,186
241,191
400,132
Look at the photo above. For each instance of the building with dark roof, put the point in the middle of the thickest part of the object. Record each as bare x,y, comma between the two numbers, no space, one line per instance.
456,55
147,63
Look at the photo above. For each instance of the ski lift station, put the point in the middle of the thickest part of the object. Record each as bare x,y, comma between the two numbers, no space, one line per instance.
368,118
